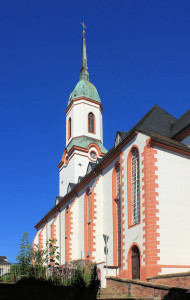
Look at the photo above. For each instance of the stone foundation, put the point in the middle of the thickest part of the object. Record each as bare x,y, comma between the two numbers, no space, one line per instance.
137,288
175,280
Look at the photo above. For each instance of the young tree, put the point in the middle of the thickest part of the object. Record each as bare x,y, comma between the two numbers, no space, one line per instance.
38,256
24,256
52,254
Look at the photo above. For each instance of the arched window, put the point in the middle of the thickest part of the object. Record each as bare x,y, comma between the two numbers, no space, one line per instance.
91,123
135,186
69,128
87,223
118,202
118,183
88,208
67,234
116,188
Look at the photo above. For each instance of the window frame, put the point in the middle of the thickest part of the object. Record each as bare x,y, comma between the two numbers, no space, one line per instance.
133,188
135,185
116,204
69,128
91,123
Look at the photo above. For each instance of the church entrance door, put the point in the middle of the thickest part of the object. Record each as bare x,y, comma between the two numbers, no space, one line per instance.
135,263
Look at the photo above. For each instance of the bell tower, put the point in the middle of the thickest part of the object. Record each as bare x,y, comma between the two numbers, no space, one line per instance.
84,132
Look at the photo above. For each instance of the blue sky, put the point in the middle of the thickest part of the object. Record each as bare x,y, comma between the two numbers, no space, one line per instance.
138,56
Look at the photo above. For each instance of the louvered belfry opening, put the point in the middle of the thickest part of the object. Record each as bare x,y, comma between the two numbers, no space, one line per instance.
118,202
91,120
135,187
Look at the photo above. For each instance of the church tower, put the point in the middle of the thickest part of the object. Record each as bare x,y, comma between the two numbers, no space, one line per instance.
84,132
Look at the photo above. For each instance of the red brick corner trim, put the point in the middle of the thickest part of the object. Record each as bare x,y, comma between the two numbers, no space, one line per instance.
150,209
41,238
53,228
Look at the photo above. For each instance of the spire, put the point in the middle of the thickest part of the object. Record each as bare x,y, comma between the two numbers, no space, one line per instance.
84,68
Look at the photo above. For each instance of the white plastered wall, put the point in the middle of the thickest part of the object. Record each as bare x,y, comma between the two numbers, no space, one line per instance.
174,208
57,233
44,234
76,167
107,228
36,238
79,223
48,227
79,120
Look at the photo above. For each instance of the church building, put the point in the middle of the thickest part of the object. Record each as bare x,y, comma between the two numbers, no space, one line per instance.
136,195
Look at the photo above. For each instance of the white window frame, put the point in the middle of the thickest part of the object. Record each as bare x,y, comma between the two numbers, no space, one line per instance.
135,187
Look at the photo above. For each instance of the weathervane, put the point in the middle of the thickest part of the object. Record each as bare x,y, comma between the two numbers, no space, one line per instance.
84,26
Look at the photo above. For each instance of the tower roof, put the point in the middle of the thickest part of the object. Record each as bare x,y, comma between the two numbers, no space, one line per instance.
84,68
84,87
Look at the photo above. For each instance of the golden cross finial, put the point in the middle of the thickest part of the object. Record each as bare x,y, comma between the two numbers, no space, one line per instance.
84,26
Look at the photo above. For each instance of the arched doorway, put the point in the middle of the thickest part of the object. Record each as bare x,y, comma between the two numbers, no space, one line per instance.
135,259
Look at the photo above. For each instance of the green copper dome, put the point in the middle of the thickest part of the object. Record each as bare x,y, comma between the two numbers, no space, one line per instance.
84,88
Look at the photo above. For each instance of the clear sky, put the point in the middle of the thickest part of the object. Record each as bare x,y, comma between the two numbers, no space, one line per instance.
138,56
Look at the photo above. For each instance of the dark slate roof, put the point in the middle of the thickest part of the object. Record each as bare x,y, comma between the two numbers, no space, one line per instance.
123,134
93,164
58,199
3,260
99,159
156,120
181,123
72,185
80,178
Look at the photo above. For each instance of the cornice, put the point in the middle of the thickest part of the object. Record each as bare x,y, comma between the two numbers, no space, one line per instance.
83,98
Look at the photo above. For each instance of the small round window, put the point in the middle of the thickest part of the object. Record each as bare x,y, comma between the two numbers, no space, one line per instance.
93,154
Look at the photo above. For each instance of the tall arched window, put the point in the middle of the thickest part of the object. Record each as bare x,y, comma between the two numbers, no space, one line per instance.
87,223
91,123
67,234
116,188
118,183
118,202
135,186
69,128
